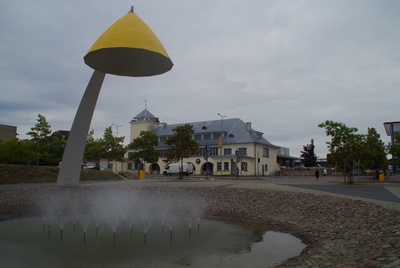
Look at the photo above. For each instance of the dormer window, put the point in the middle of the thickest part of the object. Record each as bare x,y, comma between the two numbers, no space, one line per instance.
216,136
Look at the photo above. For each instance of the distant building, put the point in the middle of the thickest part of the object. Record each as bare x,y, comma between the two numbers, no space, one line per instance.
284,159
391,129
7,132
242,147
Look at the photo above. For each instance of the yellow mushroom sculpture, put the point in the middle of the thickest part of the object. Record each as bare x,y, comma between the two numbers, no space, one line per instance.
128,48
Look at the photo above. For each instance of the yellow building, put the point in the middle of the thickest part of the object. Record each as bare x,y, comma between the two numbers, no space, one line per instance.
243,148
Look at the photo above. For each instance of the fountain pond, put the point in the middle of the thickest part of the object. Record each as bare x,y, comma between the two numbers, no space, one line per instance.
148,234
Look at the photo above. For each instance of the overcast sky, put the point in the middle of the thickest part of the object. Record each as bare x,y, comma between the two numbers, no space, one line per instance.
284,65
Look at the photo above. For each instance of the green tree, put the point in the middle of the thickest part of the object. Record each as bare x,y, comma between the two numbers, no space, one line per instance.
17,152
40,134
181,145
308,157
373,151
111,147
144,148
345,144
57,141
8,150
93,148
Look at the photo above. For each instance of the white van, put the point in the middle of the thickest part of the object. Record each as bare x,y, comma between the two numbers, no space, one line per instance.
175,168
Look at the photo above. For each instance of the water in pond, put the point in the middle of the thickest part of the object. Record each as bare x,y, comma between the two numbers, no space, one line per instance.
181,242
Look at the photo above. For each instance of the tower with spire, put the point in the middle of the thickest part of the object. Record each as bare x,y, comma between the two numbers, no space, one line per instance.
144,121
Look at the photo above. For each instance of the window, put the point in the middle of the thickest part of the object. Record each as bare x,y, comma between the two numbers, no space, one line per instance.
242,151
129,166
219,166
213,150
163,139
227,151
226,165
197,137
206,136
162,153
216,136
130,155
231,135
201,151
266,167
244,166
266,151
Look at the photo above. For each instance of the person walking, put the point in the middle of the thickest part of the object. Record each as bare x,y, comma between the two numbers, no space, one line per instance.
316,174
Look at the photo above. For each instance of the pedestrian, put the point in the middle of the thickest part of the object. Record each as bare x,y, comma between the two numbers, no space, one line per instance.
237,172
316,174
325,172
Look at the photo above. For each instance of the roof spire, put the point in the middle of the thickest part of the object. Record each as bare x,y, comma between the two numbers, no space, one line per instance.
145,104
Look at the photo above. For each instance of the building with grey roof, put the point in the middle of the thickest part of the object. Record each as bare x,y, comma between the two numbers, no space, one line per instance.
242,148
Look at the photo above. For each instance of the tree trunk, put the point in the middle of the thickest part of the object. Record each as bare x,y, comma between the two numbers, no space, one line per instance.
181,170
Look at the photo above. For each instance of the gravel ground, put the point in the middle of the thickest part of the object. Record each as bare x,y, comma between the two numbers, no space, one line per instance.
339,231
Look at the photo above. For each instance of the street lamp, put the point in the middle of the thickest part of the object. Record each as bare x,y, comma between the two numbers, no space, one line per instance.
221,137
116,126
222,116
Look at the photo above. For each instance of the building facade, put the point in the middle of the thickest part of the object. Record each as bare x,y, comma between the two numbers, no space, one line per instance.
7,132
243,149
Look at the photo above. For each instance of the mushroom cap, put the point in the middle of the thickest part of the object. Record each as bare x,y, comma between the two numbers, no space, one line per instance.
129,48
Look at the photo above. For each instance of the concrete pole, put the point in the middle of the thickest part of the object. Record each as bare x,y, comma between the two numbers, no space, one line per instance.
71,163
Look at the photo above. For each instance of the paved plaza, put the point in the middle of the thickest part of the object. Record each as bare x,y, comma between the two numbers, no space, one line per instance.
385,193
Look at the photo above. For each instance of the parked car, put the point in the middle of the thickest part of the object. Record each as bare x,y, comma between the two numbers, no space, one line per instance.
175,168
84,166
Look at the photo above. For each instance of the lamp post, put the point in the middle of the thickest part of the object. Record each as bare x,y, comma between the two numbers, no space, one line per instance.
221,137
116,126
